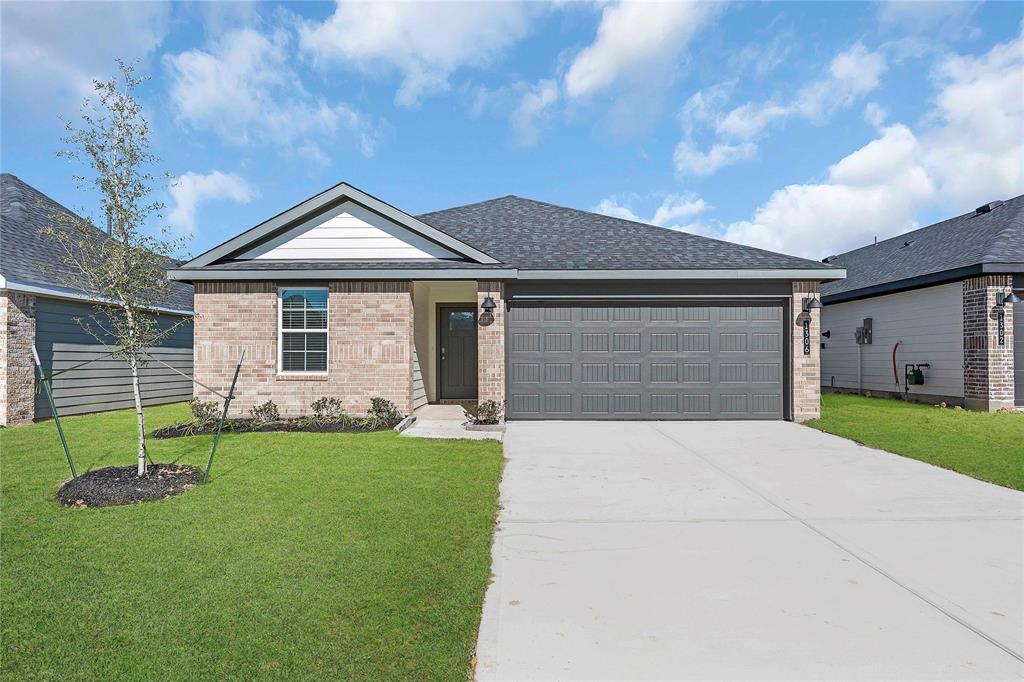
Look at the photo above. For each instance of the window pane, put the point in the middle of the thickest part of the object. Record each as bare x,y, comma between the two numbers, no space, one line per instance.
461,320
292,319
292,341
293,362
317,342
316,362
316,319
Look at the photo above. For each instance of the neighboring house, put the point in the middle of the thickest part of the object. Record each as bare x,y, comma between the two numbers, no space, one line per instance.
38,308
937,292
564,313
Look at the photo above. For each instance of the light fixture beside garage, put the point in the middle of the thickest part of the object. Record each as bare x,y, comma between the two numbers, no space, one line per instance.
811,304
1004,299
488,305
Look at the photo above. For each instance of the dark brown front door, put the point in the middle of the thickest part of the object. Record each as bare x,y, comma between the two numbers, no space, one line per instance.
457,352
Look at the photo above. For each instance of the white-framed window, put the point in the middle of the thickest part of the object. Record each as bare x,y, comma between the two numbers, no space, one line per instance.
302,330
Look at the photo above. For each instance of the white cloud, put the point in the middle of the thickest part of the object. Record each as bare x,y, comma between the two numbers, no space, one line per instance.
969,151
190,190
425,41
922,15
55,49
852,74
635,41
875,114
533,109
747,121
672,214
975,139
691,161
875,191
244,89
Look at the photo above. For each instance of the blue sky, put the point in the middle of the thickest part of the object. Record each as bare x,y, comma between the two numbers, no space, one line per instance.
806,128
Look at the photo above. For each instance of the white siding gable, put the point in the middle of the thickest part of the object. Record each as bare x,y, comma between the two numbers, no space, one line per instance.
348,232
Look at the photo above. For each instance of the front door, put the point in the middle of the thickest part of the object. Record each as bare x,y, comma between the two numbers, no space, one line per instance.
457,353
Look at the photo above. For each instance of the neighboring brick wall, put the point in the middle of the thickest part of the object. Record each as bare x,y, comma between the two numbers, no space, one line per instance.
491,345
988,367
17,369
806,369
370,336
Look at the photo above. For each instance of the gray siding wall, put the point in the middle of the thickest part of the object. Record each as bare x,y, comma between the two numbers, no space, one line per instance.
105,384
928,321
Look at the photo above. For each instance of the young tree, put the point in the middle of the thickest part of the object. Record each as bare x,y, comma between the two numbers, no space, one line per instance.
125,270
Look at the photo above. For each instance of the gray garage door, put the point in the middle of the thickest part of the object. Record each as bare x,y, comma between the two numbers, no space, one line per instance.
645,361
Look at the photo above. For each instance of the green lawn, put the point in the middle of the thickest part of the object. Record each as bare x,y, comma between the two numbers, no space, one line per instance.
315,556
989,446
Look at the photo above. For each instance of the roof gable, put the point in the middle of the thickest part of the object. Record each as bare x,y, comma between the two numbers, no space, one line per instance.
322,204
348,232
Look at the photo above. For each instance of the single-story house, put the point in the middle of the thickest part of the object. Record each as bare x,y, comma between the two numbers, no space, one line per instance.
558,313
938,307
37,307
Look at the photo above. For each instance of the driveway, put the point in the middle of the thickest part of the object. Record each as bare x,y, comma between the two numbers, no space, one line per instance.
745,550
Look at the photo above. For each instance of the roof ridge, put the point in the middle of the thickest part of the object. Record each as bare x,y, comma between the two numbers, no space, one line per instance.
1014,225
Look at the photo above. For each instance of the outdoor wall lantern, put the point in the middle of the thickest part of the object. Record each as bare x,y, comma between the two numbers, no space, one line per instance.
488,305
1004,299
811,304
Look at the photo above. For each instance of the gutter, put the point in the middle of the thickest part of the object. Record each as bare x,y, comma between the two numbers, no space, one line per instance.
202,274
71,295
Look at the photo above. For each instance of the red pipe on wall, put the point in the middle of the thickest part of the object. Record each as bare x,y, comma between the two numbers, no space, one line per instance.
895,375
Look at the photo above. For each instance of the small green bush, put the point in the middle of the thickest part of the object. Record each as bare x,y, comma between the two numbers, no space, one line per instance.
266,413
383,412
486,412
203,412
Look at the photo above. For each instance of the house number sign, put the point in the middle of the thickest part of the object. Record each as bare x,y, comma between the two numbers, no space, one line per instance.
1001,327
807,337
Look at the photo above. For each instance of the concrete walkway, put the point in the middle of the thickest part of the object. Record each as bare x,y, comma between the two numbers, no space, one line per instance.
445,421
746,550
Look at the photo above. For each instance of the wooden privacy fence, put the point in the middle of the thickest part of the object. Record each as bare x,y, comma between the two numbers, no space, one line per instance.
106,383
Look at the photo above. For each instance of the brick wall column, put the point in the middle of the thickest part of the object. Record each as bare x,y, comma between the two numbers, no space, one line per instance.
491,344
805,369
988,367
17,369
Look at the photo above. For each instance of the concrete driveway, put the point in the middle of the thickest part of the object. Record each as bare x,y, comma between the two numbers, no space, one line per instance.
745,550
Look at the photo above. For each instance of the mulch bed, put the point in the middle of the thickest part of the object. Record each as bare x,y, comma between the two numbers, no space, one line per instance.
122,485
293,426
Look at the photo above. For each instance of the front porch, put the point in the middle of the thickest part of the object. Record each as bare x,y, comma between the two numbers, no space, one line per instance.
458,347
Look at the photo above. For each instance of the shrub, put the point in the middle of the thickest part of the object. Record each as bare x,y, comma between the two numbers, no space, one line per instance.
486,412
384,412
203,412
327,410
266,413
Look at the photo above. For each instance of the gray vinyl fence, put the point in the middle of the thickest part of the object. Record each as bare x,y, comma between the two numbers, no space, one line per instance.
106,383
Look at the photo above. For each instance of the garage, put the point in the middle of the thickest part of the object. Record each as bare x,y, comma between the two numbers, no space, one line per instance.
646,360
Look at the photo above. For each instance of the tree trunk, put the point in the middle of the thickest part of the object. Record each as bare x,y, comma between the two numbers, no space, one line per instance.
140,417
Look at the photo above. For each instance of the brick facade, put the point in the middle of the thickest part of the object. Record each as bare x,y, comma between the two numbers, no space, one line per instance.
491,345
988,366
370,337
806,369
17,369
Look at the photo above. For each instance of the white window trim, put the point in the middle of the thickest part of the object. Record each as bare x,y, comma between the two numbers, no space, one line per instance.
280,331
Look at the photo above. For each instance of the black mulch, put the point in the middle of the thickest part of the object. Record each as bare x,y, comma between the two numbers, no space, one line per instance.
294,426
122,485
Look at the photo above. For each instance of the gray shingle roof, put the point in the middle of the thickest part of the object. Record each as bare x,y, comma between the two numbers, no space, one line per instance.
535,235
24,211
973,239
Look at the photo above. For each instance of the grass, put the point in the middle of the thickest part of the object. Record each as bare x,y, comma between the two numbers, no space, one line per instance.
989,446
315,556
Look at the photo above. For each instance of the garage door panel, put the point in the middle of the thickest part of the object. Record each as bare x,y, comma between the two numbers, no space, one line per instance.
629,361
